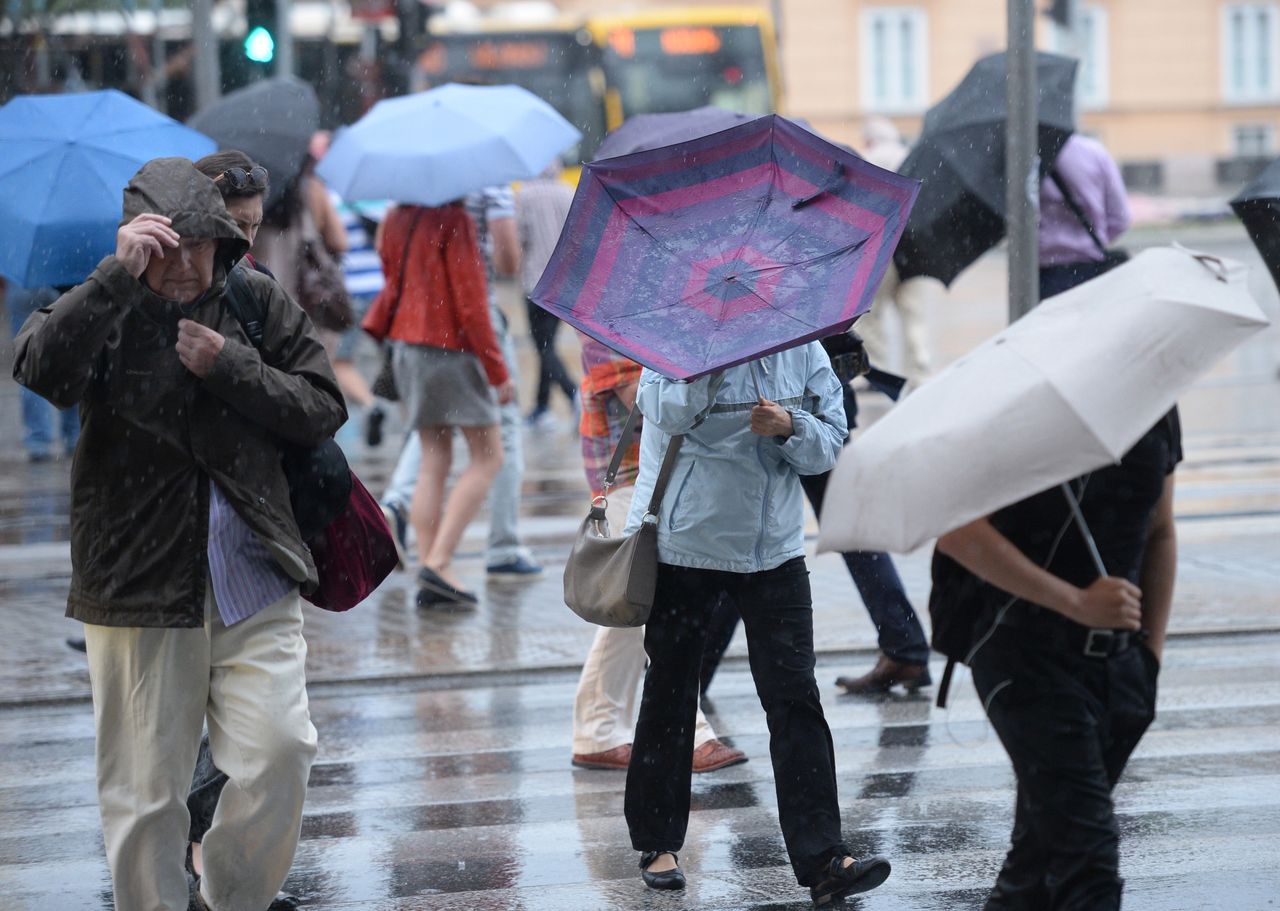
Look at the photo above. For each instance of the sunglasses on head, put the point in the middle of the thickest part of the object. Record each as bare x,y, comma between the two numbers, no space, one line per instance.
240,179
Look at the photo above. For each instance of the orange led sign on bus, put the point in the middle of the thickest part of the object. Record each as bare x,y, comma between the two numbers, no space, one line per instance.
689,41
623,42
509,55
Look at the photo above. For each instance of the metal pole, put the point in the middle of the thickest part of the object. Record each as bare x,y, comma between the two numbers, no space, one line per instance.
208,68
1022,160
284,40
156,84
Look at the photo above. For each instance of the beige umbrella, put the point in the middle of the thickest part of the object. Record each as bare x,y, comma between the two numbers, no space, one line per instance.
1065,390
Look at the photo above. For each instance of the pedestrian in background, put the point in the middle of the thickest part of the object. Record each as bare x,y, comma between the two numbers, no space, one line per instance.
1067,661
1083,208
734,522
541,208
186,557
451,375
43,425
910,299
493,218
604,707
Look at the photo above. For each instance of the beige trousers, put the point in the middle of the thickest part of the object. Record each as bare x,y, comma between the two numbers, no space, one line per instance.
604,709
152,691
912,299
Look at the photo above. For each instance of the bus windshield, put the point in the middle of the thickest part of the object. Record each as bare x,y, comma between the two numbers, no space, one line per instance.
677,67
555,66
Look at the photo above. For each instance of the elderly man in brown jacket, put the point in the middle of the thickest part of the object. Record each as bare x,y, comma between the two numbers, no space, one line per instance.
186,559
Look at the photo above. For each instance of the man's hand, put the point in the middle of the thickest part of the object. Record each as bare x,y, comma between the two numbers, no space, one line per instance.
506,392
769,419
198,347
144,237
1109,603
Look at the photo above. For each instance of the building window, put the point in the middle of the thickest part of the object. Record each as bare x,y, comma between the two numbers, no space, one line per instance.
1094,69
895,56
1250,40
1253,140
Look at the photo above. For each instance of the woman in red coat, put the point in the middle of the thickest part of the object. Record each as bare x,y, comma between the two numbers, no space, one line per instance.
450,372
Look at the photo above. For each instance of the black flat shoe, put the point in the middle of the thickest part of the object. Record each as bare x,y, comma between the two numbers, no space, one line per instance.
667,879
859,876
433,589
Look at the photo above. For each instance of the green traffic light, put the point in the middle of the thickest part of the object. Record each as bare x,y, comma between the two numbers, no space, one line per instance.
259,46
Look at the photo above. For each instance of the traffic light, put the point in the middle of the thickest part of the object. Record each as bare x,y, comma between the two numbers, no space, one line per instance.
1060,12
263,28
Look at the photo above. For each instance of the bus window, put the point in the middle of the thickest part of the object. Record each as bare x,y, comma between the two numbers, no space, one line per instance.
679,67
554,65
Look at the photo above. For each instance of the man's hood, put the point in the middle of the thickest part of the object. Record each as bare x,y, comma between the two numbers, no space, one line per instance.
174,188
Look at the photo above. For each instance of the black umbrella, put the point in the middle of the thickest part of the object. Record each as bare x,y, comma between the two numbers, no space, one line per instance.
271,121
1258,206
960,213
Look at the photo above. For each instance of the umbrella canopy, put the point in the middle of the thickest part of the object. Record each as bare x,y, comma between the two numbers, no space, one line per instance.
698,256
1258,206
960,158
436,146
651,131
64,164
272,122
1065,390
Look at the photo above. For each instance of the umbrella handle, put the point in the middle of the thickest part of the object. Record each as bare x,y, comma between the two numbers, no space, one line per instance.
1083,526
835,181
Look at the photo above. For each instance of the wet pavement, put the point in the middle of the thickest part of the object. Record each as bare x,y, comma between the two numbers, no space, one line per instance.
443,779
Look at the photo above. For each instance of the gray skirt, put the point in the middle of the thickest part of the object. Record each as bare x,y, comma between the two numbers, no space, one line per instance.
442,387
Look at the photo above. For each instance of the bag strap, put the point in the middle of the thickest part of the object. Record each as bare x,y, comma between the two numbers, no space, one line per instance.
404,262
664,473
245,307
1069,198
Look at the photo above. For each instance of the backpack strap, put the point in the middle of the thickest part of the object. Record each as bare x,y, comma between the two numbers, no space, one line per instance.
944,685
245,306
1077,210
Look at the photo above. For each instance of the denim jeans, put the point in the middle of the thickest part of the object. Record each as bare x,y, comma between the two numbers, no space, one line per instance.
42,423
777,610
1069,723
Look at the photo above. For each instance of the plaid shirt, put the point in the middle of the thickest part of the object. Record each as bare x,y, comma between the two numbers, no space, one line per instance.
603,414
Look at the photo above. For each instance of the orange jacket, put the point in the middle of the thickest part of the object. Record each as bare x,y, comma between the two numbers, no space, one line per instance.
445,301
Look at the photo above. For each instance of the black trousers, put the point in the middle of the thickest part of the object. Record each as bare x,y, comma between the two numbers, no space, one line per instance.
551,370
777,610
1069,723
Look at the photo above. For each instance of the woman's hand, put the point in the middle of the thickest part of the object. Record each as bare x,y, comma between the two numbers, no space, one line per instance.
769,419
506,392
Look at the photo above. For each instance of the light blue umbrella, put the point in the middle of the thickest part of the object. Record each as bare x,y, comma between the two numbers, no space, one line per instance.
64,164
436,146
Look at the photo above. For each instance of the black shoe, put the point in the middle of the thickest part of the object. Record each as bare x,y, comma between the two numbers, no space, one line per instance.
432,589
839,881
373,426
77,645
398,522
668,879
285,902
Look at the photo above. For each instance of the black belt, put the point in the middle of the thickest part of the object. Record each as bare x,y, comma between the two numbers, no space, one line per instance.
1060,634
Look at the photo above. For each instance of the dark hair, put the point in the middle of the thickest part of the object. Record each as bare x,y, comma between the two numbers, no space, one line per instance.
213,166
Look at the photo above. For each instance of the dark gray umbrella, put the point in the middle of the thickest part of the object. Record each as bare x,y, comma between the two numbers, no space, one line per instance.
960,157
271,121
1258,206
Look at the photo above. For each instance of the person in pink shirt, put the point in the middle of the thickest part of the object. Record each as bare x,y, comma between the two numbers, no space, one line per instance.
1083,208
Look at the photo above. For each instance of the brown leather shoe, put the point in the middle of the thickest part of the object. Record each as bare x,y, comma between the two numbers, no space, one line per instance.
714,755
885,675
615,760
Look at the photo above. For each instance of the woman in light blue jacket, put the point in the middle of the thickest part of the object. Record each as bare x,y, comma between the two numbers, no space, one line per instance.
732,522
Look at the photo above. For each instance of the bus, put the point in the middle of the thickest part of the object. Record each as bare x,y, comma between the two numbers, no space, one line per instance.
599,70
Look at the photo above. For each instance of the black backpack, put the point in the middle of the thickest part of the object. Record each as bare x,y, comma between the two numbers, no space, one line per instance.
957,603
319,477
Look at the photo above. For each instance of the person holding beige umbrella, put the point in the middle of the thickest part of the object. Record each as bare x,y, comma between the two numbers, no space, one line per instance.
1056,592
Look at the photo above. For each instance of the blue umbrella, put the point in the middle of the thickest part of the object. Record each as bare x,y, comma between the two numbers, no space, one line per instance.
436,146
64,164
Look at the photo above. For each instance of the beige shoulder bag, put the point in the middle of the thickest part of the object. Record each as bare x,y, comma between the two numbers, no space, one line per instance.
609,580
